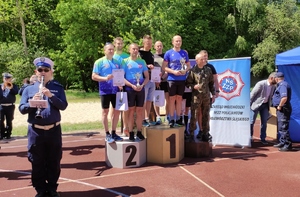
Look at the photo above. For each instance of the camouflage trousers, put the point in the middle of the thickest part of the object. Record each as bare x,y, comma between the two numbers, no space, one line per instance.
200,107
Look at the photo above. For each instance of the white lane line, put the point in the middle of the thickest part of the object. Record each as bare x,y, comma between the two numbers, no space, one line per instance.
208,186
95,186
80,181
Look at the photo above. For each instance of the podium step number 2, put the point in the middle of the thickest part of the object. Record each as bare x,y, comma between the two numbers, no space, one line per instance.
125,154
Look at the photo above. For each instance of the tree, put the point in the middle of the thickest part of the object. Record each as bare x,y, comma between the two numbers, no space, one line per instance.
280,31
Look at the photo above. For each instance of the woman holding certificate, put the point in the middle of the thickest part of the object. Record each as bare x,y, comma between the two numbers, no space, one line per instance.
136,77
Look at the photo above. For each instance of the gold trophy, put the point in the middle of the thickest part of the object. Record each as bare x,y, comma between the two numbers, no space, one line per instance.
137,77
183,66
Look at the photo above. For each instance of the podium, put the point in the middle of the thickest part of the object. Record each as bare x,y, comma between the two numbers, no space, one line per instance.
164,145
125,154
198,149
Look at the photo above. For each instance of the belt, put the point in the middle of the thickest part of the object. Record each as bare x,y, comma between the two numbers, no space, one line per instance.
7,104
45,127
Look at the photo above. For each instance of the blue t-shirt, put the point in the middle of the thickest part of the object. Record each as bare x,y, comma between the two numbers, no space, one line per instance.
132,67
173,58
121,56
104,67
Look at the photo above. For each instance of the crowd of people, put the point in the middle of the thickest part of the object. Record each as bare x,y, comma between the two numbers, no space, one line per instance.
186,88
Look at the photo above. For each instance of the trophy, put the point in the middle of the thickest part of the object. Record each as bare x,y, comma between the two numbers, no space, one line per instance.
183,66
137,77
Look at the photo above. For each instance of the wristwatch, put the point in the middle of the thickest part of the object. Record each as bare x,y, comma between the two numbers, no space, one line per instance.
217,91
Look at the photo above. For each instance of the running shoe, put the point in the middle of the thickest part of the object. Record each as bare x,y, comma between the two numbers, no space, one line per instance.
146,123
131,136
172,124
109,139
158,122
116,137
139,136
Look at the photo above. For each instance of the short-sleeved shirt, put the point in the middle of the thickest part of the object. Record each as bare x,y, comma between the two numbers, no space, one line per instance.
121,56
148,57
131,68
213,69
283,90
104,67
173,58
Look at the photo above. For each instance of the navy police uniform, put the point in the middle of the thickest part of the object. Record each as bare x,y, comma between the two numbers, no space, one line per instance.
7,107
44,136
283,115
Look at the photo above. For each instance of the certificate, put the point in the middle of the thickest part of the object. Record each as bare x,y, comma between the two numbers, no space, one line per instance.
118,79
38,103
155,74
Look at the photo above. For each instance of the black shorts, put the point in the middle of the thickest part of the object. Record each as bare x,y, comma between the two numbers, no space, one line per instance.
188,97
176,88
136,98
107,99
164,86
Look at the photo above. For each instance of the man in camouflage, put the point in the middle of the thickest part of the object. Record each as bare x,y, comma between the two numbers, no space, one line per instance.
200,79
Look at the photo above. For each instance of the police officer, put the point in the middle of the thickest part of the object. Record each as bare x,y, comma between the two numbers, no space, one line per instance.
200,79
9,91
44,130
281,101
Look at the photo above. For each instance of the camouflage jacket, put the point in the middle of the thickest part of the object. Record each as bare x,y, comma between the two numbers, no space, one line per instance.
203,77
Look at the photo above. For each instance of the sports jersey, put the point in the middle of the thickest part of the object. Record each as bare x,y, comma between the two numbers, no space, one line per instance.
173,58
131,68
121,56
104,67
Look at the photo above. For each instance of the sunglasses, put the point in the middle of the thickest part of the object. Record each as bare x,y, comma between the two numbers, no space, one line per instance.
43,69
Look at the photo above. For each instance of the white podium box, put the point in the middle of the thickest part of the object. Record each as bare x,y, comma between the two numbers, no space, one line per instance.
125,154
164,145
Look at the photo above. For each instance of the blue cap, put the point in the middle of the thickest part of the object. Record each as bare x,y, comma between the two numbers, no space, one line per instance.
279,74
6,75
43,61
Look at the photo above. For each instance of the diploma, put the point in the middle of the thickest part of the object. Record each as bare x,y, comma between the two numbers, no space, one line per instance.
155,74
118,79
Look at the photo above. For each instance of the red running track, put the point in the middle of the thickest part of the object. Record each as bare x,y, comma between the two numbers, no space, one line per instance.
258,171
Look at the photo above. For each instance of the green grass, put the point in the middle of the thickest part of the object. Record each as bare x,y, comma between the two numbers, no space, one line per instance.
73,96
66,128
76,96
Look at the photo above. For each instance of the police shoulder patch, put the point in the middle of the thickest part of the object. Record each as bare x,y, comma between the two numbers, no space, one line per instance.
57,83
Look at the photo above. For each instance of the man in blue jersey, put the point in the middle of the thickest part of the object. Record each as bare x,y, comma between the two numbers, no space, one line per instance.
176,63
136,77
102,72
120,55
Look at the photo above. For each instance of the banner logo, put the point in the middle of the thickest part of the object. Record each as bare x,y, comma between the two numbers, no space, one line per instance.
230,84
